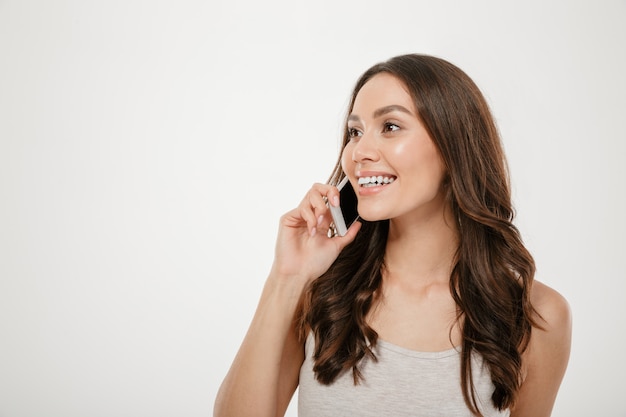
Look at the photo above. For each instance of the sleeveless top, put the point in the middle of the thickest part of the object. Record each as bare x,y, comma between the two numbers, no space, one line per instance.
401,383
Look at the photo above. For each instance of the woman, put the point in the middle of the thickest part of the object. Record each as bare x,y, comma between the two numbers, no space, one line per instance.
427,306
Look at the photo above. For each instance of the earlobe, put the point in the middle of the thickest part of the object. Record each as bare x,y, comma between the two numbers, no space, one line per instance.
446,187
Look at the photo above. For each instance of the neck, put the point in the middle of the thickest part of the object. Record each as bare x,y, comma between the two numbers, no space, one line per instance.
421,252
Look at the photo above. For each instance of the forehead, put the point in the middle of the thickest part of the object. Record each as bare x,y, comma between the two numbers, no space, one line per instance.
382,90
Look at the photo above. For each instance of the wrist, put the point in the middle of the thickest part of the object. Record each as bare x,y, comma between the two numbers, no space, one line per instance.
278,305
289,283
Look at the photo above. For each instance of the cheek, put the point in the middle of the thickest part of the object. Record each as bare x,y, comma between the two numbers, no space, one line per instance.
421,156
403,150
346,159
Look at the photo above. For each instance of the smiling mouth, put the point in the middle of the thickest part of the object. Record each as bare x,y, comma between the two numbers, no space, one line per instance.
375,181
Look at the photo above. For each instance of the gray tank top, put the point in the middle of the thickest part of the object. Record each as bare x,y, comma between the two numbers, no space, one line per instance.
402,383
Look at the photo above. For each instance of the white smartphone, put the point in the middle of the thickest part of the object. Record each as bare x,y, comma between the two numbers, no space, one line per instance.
346,213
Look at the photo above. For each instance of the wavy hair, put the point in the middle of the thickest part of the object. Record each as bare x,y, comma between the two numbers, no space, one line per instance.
493,271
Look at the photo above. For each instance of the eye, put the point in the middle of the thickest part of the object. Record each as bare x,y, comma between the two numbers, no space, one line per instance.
354,133
390,127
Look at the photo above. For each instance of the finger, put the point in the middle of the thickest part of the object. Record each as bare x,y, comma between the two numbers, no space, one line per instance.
333,196
330,192
294,220
300,218
315,221
314,208
308,215
325,221
318,196
318,205
346,239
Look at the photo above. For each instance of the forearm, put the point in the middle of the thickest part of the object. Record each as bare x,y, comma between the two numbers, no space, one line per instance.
251,387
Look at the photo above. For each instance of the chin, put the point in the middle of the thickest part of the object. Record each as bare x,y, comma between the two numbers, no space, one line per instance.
372,217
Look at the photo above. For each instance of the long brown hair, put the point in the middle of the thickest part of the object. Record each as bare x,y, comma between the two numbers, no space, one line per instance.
493,271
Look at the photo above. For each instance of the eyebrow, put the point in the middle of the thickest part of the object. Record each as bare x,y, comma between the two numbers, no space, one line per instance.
382,111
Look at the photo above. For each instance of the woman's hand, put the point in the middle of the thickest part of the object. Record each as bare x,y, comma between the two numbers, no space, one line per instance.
271,351
303,249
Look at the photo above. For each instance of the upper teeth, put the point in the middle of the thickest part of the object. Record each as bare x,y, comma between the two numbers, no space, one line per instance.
375,180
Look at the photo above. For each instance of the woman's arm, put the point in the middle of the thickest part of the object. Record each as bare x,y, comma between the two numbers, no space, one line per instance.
547,355
264,374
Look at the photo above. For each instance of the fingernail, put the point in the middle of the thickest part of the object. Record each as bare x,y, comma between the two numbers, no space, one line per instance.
313,231
320,219
335,201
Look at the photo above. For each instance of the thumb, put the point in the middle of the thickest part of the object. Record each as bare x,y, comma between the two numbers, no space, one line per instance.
345,240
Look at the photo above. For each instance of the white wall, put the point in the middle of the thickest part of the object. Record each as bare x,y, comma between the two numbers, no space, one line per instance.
147,149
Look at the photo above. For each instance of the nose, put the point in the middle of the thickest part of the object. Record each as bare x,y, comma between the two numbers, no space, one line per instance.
365,149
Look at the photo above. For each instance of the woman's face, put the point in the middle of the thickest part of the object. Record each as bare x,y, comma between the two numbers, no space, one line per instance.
390,159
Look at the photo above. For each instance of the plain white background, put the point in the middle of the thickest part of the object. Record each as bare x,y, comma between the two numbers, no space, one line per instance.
148,148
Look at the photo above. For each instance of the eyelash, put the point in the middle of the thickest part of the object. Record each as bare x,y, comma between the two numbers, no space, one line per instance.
352,132
388,127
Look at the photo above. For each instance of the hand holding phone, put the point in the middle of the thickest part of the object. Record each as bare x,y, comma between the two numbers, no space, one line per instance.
346,213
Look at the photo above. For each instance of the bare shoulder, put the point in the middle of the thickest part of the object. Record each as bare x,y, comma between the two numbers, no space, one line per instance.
553,310
551,339
547,354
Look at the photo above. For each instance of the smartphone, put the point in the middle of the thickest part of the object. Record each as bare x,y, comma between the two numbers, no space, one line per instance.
346,213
